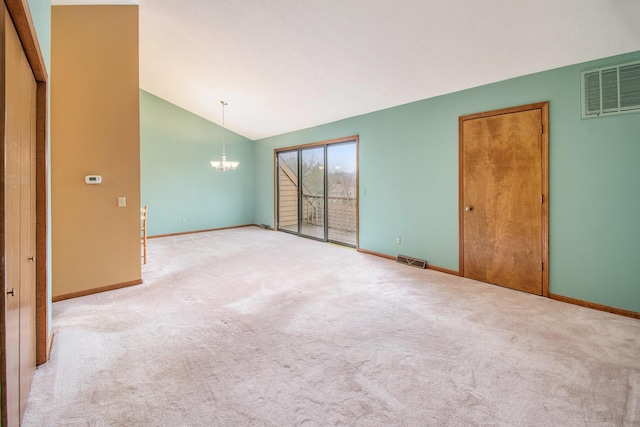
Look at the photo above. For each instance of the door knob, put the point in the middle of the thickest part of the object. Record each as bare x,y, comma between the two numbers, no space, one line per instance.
12,292
468,208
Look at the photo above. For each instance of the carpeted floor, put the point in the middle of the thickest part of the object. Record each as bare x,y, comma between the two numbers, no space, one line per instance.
247,327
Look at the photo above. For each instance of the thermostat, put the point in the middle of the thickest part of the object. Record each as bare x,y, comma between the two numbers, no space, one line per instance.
93,179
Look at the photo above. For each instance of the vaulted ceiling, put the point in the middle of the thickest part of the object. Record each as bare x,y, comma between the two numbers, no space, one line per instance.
284,65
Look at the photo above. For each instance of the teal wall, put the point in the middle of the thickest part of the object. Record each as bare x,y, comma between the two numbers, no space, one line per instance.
41,14
178,185
408,165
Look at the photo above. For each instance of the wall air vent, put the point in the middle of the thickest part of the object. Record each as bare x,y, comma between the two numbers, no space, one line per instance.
611,90
414,262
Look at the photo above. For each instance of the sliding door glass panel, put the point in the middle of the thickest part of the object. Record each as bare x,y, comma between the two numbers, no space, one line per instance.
341,193
312,208
288,191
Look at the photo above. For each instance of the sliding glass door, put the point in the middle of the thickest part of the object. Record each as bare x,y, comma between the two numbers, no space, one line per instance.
312,189
341,193
288,191
316,191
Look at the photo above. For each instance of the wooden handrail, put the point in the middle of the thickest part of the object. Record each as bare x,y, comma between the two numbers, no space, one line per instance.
341,210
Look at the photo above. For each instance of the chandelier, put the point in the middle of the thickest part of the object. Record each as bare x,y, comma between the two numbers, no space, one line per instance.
223,165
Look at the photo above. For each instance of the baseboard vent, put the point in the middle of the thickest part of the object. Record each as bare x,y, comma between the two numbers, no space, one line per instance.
414,262
265,226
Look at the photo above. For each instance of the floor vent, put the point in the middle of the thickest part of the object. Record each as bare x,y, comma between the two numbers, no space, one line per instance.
265,226
414,262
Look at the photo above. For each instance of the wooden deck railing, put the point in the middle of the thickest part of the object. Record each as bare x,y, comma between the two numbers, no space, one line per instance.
342,211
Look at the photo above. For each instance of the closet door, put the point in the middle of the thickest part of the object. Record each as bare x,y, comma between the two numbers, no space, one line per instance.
503,212
27,112
18,227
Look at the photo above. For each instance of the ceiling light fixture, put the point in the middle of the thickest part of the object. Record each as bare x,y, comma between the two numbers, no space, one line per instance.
223,165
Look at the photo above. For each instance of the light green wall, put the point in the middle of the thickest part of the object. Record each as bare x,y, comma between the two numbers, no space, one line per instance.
408,159
41,14
177,181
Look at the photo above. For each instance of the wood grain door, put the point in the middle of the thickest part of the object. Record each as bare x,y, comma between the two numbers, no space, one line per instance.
19,227
503,213
27,119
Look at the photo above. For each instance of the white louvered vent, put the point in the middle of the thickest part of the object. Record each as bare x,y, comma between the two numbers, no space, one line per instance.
611,90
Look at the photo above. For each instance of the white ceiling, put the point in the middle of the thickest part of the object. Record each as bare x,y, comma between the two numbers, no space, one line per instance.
284,65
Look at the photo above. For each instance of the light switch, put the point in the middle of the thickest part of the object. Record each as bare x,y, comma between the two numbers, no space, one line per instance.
122,202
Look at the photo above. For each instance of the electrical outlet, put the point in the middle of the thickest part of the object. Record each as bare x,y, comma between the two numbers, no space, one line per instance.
398,240
122,202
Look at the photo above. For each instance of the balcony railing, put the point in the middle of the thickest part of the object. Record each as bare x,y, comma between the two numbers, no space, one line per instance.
341,210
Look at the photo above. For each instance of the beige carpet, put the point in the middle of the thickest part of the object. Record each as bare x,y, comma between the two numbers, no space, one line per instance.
249,327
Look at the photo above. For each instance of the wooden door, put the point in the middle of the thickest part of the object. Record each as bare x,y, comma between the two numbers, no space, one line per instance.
503,186
26,84
19,226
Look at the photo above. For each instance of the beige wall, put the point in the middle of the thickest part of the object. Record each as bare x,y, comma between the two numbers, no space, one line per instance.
95,129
